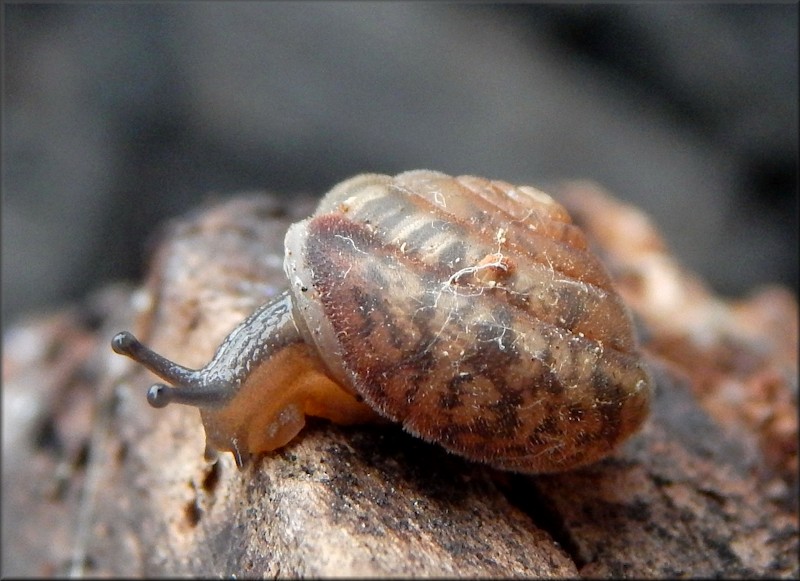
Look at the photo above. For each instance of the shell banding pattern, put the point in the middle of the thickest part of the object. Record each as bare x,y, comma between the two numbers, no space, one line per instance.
472,312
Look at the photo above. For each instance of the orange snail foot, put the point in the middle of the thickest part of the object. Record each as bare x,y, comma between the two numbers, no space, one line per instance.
271,406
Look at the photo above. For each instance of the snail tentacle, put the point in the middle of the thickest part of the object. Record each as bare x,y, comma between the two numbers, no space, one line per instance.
190,386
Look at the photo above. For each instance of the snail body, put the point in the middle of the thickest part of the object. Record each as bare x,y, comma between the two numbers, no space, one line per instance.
468,310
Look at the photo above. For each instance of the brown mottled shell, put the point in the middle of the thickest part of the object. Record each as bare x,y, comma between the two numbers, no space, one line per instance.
471,312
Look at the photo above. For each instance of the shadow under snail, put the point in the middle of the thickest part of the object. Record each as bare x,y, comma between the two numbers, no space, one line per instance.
468,310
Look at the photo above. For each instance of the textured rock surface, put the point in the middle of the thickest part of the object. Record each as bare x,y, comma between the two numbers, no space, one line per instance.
95,482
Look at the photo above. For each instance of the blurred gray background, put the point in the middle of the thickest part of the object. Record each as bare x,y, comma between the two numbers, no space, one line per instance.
118,116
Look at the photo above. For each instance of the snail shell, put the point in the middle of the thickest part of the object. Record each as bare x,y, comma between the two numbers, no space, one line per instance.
468,310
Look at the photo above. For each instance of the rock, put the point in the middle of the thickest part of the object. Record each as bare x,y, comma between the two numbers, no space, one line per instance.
96,482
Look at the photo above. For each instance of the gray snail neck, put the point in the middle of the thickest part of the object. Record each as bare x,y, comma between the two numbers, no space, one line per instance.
269,329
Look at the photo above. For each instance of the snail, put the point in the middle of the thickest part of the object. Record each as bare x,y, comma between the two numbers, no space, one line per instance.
470,311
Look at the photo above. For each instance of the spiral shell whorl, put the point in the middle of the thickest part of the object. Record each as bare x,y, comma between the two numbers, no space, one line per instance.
470,311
